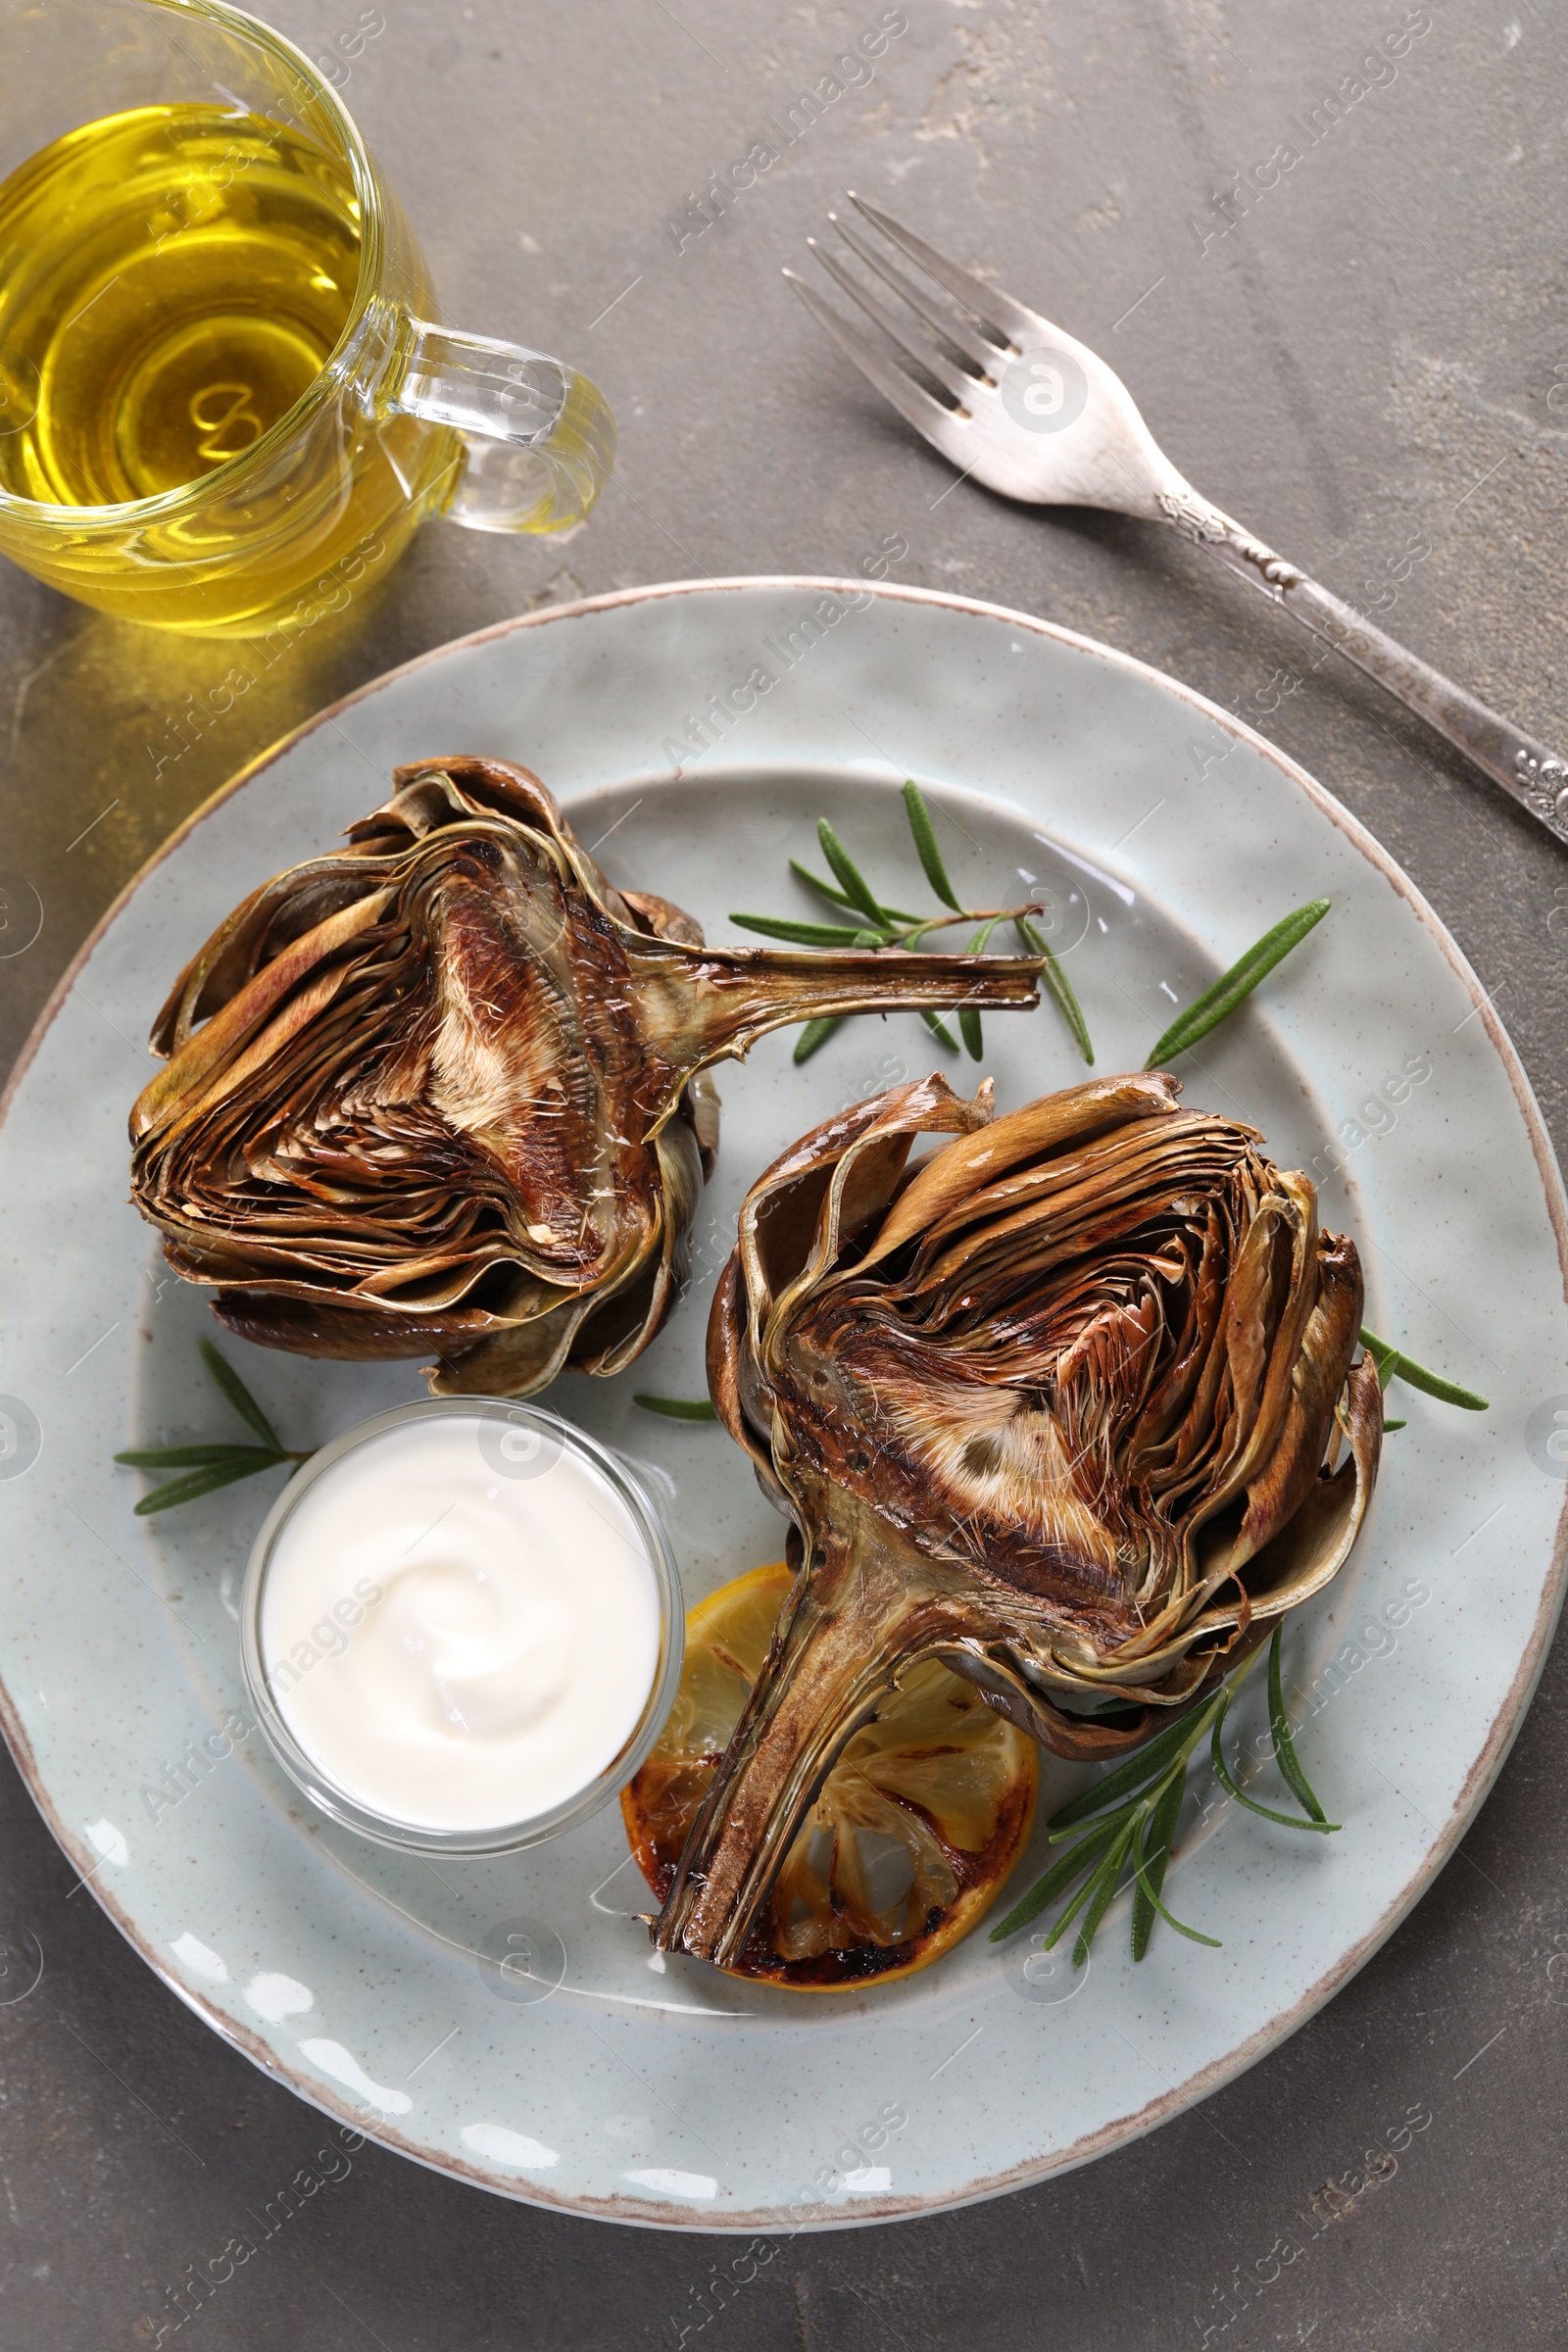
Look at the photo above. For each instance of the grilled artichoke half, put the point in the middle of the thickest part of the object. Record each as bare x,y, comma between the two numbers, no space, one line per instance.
442,1091
1054,1406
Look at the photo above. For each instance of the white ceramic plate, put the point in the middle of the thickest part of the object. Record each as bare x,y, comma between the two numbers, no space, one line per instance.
593,2075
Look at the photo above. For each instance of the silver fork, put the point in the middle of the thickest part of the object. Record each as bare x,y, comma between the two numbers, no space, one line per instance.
1039,417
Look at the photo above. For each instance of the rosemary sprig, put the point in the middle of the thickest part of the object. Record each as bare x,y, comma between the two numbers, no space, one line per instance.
880,935
884,926
1131,1816
887,934
676,1408
207,1467
1394,1364
1218,1002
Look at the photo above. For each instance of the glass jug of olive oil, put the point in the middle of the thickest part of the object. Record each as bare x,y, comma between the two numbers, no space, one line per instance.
222,397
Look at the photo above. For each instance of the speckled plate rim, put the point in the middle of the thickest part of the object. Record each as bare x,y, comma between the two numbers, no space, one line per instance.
271,2055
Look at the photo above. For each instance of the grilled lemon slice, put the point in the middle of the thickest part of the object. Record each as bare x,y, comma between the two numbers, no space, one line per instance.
911,1840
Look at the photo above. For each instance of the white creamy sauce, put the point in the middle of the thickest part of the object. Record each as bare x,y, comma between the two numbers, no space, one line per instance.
454,1645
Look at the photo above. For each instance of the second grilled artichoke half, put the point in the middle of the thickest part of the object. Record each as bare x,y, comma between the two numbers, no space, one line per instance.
442,1092
1063,1407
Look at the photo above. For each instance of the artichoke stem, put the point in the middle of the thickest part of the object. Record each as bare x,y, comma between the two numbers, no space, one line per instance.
861,1609
744,992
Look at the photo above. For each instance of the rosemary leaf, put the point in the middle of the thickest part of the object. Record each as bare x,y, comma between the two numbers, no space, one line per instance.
816,1033
800,934
940,1030
1192,1935
1147,1765
1160,1826
840,898
204,1482
1058,1878
1401,1366
1105,1893
969,1016
240,1397
1218,1002
1060,987
1087,1892
1387,1425
676,1408
925,842
1285,1756
1222,1773
847,875
199,1457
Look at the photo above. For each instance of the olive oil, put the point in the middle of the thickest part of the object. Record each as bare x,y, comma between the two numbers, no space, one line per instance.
171,280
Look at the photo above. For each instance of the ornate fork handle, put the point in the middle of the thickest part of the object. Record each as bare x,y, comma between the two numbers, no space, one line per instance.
1527,771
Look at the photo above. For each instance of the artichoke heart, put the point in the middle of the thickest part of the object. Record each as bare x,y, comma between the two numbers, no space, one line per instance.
1062,1405
444,1090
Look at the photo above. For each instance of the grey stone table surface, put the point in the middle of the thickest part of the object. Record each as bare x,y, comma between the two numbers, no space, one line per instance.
1368,357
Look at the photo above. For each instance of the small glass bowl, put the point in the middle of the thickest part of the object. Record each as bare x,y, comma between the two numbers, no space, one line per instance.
527,1435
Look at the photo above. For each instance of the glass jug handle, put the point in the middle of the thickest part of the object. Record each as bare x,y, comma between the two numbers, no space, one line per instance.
541,438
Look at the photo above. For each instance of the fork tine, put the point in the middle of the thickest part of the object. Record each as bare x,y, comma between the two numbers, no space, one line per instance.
999,311
940,426
959,332
953,380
